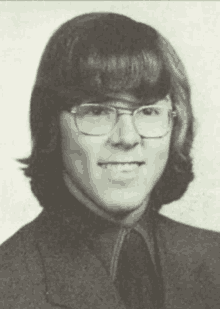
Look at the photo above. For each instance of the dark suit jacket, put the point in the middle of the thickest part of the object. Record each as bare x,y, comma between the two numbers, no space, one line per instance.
40,269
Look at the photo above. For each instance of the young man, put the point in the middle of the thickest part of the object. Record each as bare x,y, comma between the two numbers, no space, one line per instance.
112,129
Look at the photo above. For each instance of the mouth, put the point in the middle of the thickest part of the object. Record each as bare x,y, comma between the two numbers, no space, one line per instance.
121,166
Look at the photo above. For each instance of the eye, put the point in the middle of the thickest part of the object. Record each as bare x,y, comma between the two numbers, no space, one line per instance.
97,110
151,111
93,111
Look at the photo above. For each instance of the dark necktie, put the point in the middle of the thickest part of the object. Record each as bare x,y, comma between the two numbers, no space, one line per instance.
136,278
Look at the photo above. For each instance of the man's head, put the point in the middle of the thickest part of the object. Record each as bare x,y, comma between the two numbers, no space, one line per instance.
113,61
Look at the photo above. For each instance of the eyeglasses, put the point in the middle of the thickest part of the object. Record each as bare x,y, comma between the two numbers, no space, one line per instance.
152,121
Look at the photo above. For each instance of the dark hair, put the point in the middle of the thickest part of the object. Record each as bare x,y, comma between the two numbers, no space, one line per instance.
94,54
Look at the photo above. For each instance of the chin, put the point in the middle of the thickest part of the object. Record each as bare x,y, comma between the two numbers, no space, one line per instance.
117,207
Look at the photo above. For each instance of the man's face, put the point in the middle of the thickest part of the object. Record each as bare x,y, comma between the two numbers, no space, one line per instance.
96,164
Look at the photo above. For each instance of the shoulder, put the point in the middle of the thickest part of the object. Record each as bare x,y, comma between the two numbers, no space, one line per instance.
181,240
15,254
13,249
189,258
178,230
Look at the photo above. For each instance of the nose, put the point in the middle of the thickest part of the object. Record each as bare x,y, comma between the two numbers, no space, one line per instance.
124,134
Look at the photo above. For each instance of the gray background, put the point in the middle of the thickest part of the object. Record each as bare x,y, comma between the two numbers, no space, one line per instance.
194,30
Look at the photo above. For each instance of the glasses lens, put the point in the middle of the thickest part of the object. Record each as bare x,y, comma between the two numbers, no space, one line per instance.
152,121
95,119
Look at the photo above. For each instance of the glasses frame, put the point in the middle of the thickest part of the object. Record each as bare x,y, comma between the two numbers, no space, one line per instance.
127,111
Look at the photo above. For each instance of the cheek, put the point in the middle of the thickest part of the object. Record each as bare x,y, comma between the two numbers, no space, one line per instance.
80,152
163,154
157,153
71,152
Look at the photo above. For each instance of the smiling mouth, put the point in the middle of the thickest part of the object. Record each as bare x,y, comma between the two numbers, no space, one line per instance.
121,166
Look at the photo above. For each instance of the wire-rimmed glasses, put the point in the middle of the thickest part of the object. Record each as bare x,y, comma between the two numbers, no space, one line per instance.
151,121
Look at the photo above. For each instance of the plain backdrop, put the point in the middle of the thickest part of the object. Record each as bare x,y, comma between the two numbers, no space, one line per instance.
194,30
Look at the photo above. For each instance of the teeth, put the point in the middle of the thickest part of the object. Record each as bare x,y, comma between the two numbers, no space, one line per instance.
120,167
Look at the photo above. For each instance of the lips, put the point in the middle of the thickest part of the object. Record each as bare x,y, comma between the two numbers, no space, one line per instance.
121,163
121,166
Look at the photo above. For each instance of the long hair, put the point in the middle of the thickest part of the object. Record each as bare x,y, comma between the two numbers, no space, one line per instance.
94,54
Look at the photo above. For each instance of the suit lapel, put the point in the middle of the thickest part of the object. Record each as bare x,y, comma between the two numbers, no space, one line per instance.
75,278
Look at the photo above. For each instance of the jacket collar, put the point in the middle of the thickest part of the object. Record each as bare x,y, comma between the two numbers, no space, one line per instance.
74,277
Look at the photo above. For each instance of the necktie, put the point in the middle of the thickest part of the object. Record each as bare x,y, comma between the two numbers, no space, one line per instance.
136,278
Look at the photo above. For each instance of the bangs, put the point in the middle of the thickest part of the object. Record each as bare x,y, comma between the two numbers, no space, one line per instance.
116,56
141,74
